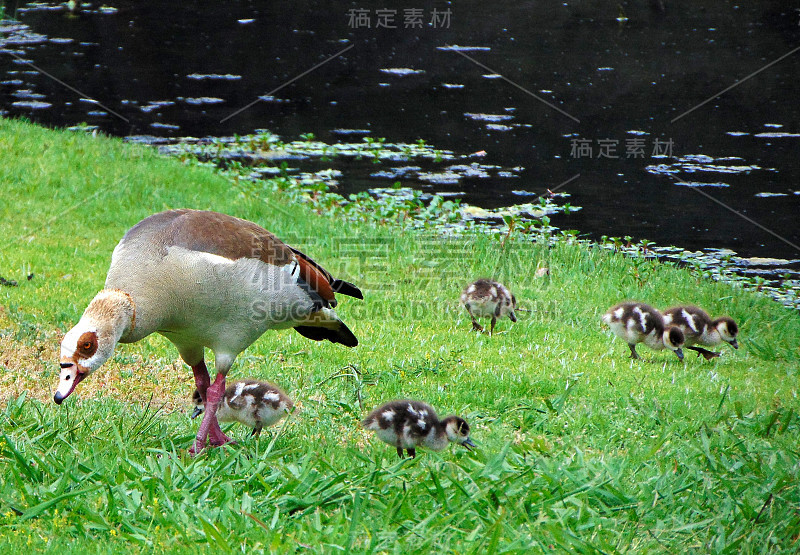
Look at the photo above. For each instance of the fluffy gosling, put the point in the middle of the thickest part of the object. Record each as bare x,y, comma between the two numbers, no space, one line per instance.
250,402
486,297
698,328
640,323
411,424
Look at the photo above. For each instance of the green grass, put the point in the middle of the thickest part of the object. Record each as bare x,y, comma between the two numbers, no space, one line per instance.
580,448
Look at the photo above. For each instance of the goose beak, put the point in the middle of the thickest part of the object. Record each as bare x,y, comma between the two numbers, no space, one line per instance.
70,378
679,352
734,344
468,443
512,316
196,412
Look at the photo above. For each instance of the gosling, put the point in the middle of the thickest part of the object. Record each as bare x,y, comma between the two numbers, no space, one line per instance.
250,402
411,424
698,328
486,297
640,323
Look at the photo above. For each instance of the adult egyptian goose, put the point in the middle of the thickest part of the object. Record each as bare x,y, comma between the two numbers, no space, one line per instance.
640,323
698,327
411,424
250,402
486,297
202,279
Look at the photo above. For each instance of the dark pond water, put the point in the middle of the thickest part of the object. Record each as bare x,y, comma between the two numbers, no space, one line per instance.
528,83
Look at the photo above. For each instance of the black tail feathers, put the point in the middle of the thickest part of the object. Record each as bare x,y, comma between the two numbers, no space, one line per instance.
346,288
341,334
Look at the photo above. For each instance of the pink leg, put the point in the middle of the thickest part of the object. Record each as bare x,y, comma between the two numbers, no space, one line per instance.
201,378
209,427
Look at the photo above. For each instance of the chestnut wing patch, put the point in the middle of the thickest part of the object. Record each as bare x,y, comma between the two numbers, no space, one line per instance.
336,285
318,279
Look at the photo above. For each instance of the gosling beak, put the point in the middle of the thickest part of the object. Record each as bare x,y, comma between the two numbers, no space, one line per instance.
196,412
679,352
734,344
468,443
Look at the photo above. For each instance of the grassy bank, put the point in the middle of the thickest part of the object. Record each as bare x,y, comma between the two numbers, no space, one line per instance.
580,448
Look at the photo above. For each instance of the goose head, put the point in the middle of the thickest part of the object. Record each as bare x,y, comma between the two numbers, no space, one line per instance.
673,340
92,341
509,306
728,330
457,431
199,404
